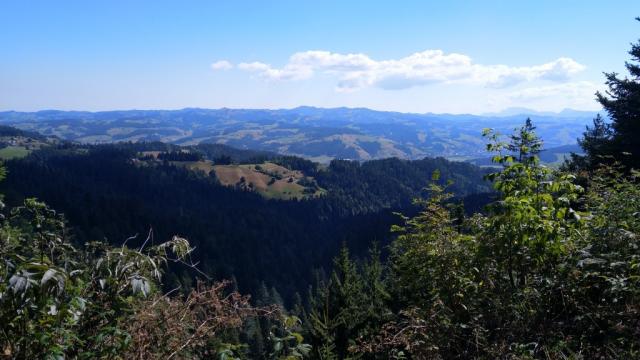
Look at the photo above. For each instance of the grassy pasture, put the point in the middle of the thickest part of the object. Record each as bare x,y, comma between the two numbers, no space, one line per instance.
271,180
205,166
268,179
13,152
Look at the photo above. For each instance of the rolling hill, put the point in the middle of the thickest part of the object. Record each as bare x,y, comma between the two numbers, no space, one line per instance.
253,233
314,133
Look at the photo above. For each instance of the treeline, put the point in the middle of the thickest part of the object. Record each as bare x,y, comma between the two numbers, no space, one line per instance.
180,156
392,183
11,131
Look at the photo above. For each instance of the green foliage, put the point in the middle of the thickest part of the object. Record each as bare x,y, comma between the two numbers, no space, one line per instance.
422,248
335,310
57,300
596,143
533,278
530,226
433,273
351,305
290,346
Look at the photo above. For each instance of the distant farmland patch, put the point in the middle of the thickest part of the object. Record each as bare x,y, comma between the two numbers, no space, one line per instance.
271,180
13,152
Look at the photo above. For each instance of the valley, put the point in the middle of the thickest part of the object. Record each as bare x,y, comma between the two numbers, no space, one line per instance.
317,134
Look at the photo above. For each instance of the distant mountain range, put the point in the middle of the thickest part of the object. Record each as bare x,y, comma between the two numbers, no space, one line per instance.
315,133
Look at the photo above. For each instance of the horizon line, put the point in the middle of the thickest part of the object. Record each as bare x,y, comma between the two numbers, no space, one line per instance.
500,113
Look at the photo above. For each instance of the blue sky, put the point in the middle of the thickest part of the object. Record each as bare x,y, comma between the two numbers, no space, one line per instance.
418,56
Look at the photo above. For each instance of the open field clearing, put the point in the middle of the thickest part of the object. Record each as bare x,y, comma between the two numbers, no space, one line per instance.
271,180
13,152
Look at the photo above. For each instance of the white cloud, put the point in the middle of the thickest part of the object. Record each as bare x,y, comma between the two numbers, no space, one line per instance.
357,71
289,72
579,95
575,90
222,65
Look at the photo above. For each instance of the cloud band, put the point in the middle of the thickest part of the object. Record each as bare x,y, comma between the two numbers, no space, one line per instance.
357,71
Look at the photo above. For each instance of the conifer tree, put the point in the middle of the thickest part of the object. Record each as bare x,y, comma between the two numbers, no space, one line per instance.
622,103
376,296
524,143
254,332
275,298
337,309
596,143
530,224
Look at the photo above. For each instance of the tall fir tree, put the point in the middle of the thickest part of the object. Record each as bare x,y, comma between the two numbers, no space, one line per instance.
622,103
337,309
596,143
524,143
376,296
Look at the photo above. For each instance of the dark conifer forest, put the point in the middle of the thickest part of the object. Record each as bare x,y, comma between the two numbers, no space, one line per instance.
105,196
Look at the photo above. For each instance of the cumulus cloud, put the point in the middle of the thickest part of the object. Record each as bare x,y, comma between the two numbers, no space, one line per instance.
222,65
357,71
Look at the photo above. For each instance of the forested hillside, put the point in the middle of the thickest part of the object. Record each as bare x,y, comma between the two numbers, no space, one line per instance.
107,193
